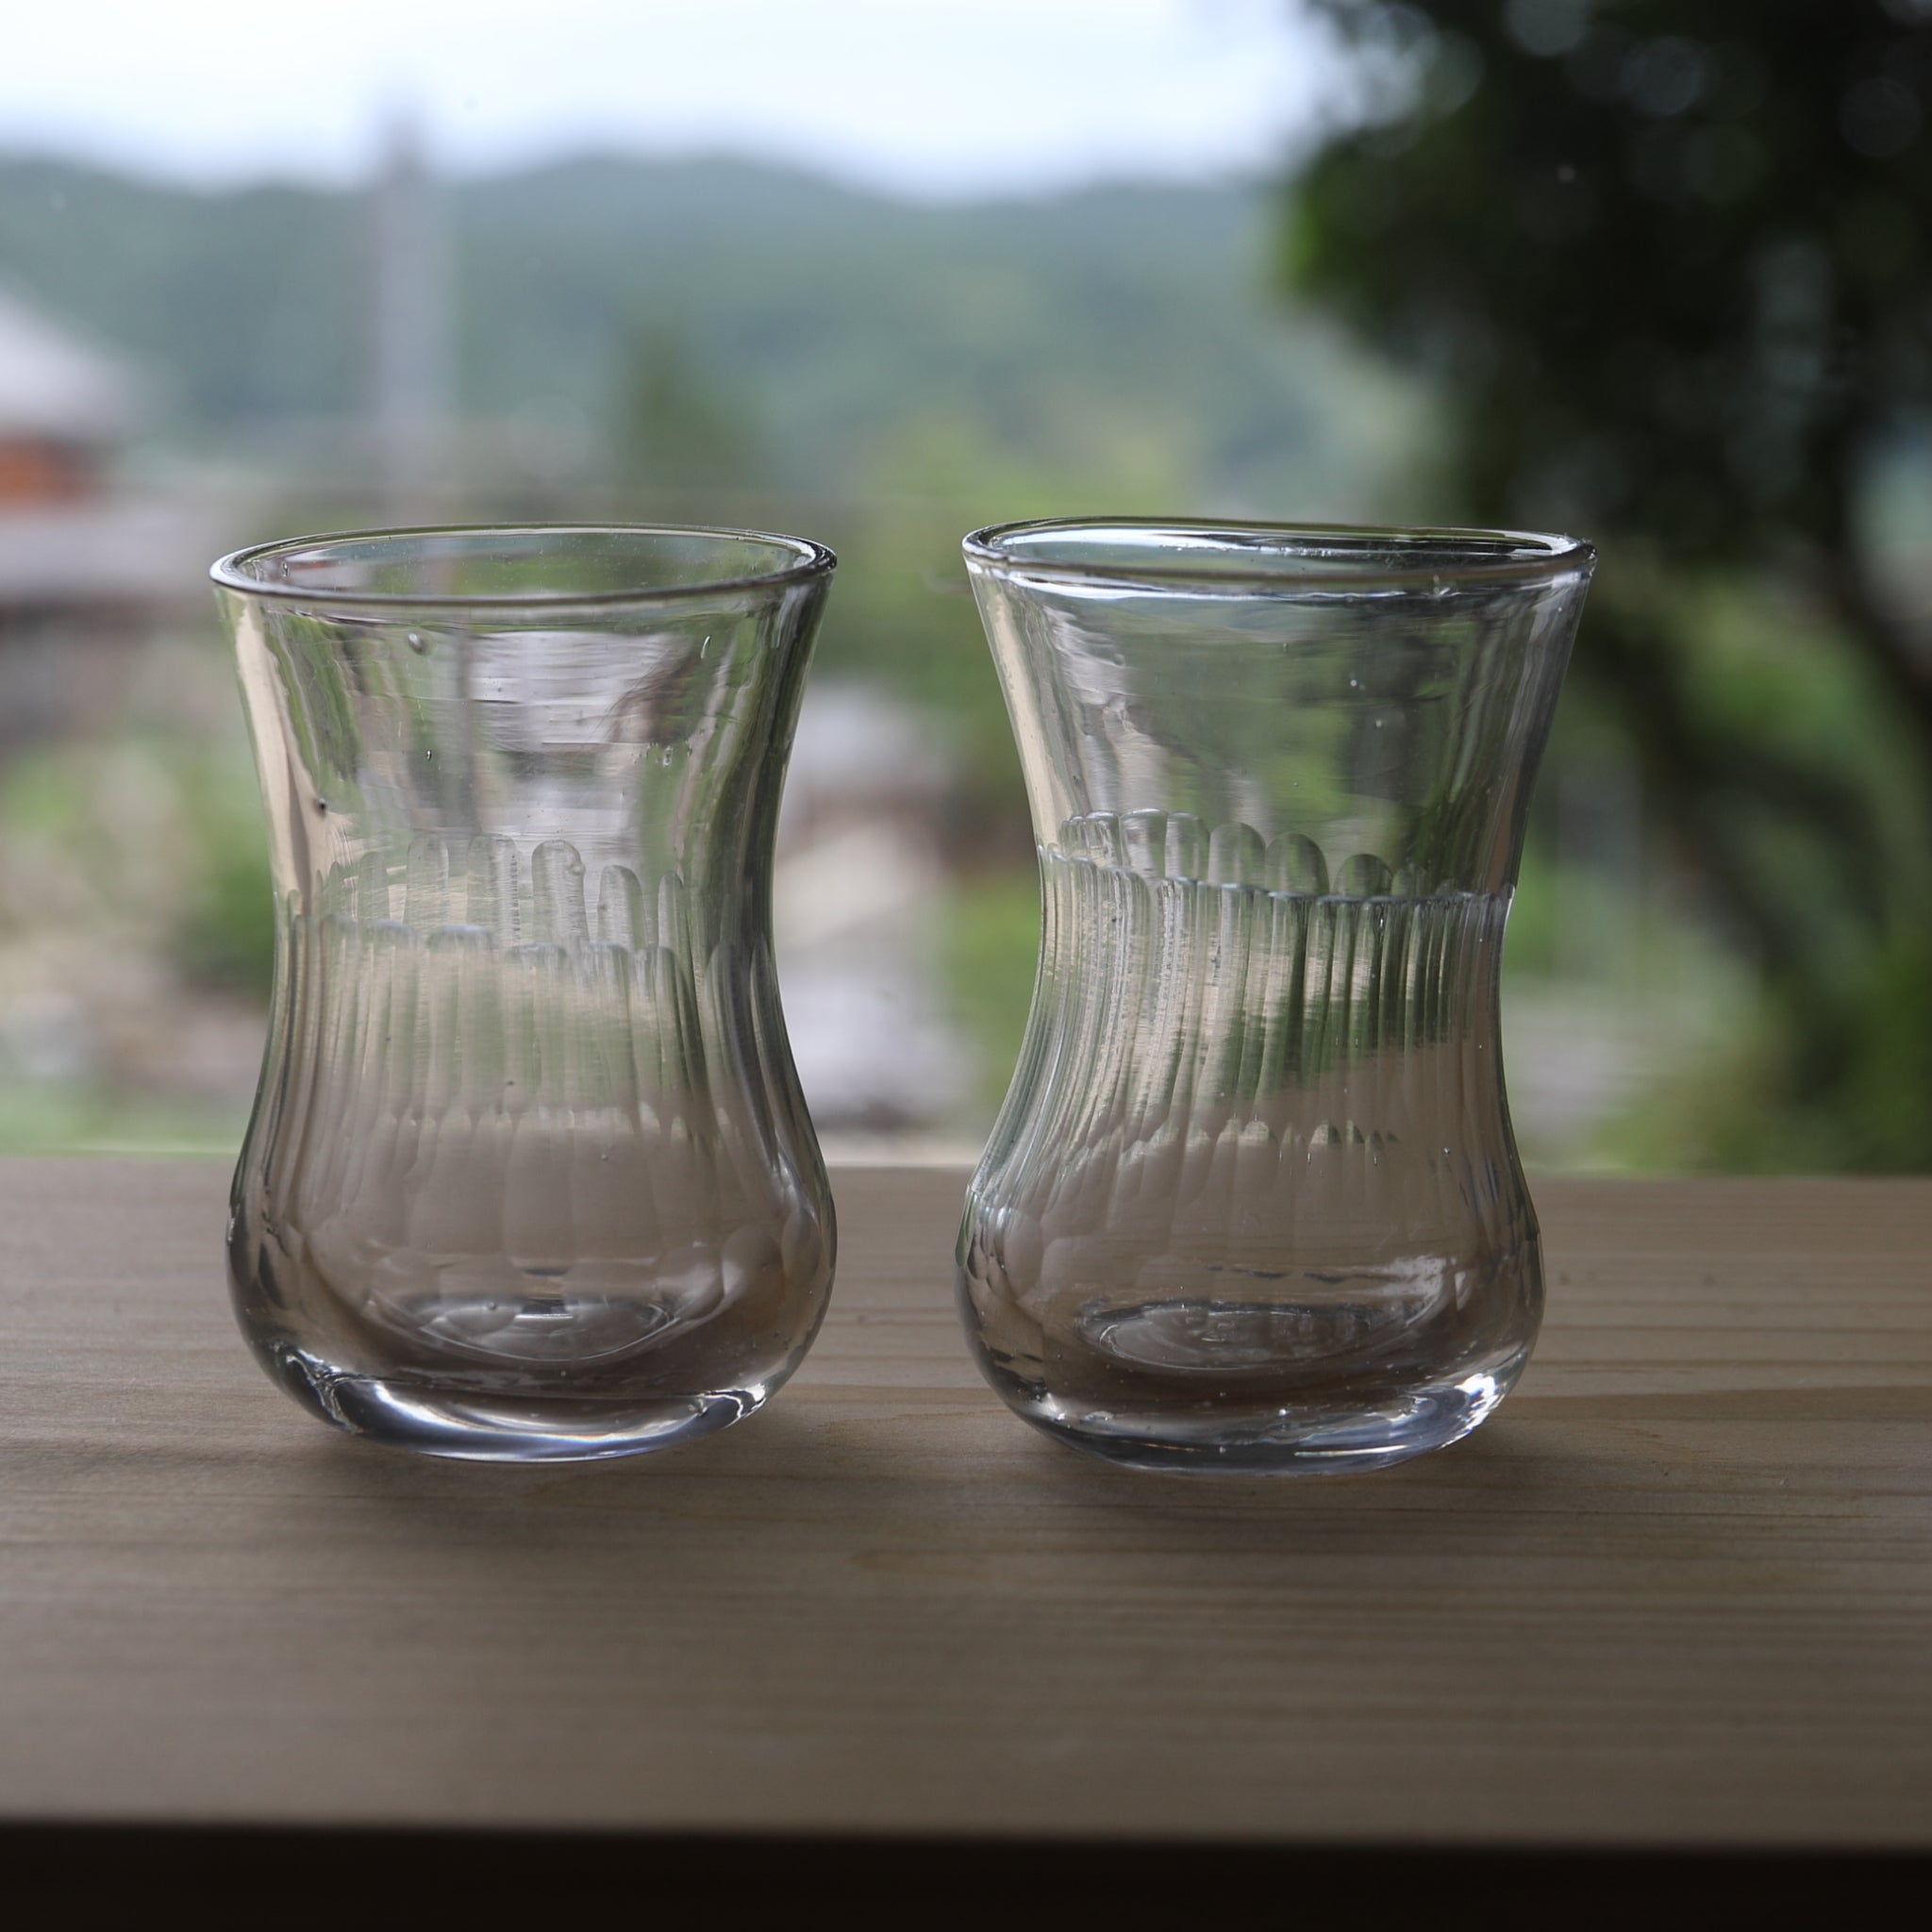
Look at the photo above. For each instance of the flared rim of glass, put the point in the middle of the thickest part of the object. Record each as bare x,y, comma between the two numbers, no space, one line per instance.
796,560
1211,554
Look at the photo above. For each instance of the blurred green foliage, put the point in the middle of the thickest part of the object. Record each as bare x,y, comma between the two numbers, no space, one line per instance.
133,882
1669,266
990,945
679,427
71,1117
225,934
153,843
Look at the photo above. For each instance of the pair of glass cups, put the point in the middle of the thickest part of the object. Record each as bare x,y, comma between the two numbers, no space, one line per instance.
531,1175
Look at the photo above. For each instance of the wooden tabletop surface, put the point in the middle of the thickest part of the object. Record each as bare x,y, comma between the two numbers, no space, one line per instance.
1678,1593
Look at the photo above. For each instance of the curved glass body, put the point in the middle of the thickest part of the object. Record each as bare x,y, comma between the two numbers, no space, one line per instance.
529,1174
1253,1201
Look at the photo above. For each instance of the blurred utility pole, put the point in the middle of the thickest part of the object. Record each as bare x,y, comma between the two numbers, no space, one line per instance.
410,319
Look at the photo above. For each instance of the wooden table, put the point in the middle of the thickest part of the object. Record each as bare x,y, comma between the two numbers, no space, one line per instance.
1675,1604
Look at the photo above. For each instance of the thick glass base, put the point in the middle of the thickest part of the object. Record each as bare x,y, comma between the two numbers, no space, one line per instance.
1303,1435
471,1426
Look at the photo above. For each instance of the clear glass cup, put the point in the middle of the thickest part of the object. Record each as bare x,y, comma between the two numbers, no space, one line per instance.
530,1175
1253,1202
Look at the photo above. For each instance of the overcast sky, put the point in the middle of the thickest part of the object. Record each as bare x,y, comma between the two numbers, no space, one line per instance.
922,97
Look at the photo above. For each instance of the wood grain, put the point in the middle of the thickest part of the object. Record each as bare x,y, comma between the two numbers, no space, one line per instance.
1677,1593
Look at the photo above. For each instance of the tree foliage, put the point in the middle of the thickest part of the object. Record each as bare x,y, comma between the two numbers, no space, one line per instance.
1670,263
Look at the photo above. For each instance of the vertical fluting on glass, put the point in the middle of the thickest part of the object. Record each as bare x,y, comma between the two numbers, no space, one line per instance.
1253,1201
529,1174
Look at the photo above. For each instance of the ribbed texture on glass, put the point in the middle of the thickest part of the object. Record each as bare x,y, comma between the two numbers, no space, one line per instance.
1223,1052
474,1105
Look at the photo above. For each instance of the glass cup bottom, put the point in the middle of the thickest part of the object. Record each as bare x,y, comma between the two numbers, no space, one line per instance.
484,1426
1280,1369
1353,1425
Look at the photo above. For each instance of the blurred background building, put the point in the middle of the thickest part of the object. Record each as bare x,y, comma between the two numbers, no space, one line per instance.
1656,272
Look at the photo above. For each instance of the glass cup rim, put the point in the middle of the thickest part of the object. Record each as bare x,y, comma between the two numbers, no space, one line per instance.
810,560
1534,556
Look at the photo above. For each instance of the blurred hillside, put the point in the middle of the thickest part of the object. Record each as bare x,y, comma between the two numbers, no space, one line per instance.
826,339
